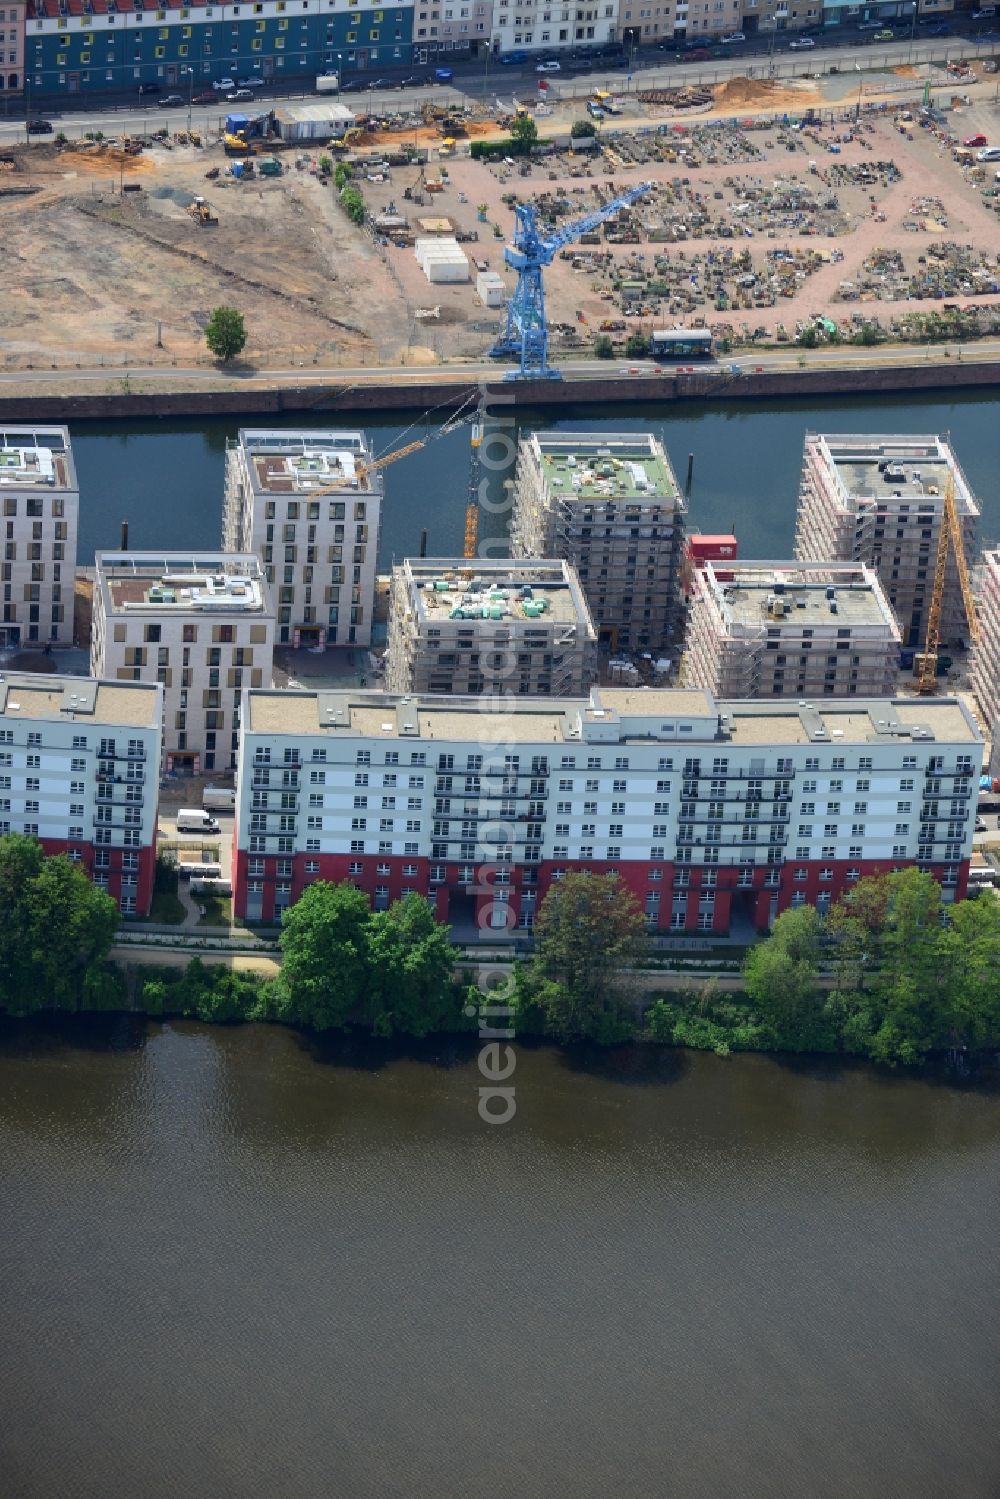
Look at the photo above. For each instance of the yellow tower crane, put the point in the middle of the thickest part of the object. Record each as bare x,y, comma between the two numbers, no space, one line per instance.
472,508
949,539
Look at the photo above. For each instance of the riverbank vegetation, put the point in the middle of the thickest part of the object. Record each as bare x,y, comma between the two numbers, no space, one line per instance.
892,973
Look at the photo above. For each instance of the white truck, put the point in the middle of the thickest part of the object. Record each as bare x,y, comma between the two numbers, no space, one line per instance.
196,820
328,83
219,798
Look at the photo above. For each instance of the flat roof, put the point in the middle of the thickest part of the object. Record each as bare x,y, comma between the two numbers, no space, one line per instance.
596,467
903,467
303,462
228,583
36,696
336,113
439,586
373,715
793,596
36,458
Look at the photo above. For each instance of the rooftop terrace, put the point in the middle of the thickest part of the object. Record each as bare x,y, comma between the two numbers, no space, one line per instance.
36,458
224,583
284,463
600,466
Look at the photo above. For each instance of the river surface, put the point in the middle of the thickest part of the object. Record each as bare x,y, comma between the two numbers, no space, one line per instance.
236,1264
166,478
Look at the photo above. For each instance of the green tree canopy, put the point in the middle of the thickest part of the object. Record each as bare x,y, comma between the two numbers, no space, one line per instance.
782,981
524,134
56,931
409,985
323,955
226,333
590,930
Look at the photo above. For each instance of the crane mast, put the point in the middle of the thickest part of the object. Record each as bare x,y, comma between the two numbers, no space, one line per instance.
524,331
949,539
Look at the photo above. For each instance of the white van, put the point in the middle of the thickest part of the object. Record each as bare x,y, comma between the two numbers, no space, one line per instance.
219,798
196,820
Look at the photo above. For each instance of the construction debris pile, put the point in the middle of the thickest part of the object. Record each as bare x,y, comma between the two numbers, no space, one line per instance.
944,270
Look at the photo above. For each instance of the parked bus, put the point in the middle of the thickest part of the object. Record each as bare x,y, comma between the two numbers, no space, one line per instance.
682,344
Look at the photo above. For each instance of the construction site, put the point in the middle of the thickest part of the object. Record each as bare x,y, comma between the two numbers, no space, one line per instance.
769,207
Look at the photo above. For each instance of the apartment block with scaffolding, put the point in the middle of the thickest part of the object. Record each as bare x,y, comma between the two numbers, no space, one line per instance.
309,503
879,499
40,499
787,629
985,679
609,504
517,628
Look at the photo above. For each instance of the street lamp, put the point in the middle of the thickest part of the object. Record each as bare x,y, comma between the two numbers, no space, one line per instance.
340,67
861,79
190,73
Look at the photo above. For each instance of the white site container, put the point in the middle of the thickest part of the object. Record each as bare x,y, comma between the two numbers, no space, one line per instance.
490,289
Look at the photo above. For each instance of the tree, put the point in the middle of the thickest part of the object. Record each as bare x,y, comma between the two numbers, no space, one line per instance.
225,333
323,949
410,984
589,930
580,128
636,346
57,929
603,347
524,135
809,337
352,203
781,976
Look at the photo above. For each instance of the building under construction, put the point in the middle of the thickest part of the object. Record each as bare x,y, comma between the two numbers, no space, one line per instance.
512,628
880,500
609,504
787,629
985,680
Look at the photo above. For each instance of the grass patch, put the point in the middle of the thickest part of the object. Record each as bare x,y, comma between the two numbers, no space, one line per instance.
166,907
217,910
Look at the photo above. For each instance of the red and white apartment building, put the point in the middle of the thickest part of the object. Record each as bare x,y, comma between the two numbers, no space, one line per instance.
709,811
80,771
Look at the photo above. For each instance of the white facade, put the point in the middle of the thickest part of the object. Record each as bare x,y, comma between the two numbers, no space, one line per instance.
309,508
552,27
677,793
203,627
986,662
79,770
40,501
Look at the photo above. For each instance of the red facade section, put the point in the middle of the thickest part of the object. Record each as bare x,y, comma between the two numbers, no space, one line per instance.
144,874
710,897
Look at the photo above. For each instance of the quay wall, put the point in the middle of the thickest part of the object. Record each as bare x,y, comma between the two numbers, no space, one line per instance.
611,390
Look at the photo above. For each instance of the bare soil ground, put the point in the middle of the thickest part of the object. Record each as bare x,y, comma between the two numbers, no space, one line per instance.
94,274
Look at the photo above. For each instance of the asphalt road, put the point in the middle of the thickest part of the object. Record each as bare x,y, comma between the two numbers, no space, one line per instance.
657,69
776,360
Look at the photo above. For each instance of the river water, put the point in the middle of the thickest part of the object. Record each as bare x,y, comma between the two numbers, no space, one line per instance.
166,478
241,1265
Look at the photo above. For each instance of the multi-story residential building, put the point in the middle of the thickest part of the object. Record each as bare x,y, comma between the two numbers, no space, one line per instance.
79,771
513,628
202,627
985,681
81,46
552,25
309,505
690,19
40,499
788,629
12,44
451,27
711,813
609,504
880,500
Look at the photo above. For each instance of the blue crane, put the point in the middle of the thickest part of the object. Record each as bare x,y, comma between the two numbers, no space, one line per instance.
524,332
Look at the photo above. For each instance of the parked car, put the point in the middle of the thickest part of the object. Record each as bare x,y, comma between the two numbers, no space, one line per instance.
885,35
172,101
734,39
940,28
514,59
547,67
443,75
414,81
696,54
240,96
39,127
988,153
380,83
984,13
975,140
251,82
353,86
224,85
148,88
208,96
991,65
869,25
801,42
